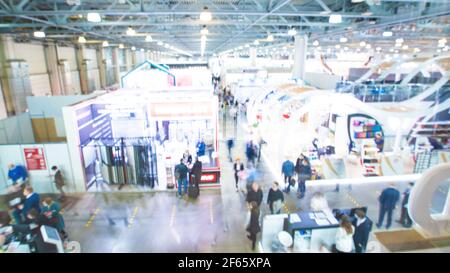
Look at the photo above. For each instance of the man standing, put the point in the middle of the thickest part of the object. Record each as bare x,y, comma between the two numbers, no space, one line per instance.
304,174
275,199
287,169
238,167
181,172
32,201
363,226
255,194
59,181
230,145
16,172
197,173
388,200
405,220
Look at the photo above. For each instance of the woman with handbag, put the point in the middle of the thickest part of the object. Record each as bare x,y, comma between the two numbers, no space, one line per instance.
253,227
52,211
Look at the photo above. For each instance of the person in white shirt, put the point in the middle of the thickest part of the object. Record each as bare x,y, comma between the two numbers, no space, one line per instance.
344,237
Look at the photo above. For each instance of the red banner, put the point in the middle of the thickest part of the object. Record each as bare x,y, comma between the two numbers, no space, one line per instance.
35,159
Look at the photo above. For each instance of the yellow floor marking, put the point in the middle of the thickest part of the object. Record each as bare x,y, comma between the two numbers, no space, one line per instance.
353,200
172,215
131,221
91,219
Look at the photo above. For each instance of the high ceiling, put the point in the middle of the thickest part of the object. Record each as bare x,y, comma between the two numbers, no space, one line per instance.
234,22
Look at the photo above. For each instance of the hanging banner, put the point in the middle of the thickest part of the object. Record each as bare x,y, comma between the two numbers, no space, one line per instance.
35,159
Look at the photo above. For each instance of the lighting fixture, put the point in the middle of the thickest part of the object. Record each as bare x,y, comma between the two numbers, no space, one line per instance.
316,43
387,34
391,50
343,39
270,38
442,41
142,50
396,55
204,31
357,1
256,42
160,43
292,32
148,38
417,50
335,19
358,50
337,46
94,17
438,51
80,15
131,31
247,45
205,15
105,44
345,48
399,41
121,46
445,49
362,44
398,45
368,46
405,47
367,13
166,45
39,34
81,40
133,48
378,49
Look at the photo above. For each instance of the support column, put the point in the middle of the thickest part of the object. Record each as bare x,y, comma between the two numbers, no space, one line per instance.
128,60
101,62
300,49
133,58
51,59
6,53
82,68
252,56
116,65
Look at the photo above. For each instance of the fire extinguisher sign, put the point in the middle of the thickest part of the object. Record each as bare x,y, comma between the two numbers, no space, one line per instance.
35,159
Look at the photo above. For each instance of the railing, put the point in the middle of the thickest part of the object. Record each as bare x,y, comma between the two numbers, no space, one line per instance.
381,92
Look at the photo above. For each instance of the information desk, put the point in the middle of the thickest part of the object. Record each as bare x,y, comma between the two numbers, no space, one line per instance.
311,230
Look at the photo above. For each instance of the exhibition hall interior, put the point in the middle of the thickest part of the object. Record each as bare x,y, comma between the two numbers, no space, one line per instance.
212,126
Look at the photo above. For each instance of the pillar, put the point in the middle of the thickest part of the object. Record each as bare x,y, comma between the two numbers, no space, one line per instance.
300,50
82,68
51,59
253,56
101,62
6,53
116,65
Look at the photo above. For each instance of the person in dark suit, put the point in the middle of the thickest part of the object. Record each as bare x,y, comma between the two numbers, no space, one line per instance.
363,226
388,201
255,194
32,201
405,220
253,227
196,171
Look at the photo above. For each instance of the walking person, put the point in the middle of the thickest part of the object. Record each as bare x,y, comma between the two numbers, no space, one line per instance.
388,201
344,237
304,174
255,194
363,226
230,145
250,152
405,220
275,199
58,179
52,212
253,227
181,172
238,168
32,201
287,169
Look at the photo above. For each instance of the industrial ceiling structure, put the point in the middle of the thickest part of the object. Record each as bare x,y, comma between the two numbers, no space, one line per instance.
197,27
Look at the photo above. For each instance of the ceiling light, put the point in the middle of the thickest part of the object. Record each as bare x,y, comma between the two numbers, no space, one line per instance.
404,56
256,42
142,50
358,50
438,51
357,1
368,46
270,38
81,40
343,39
205,15
39,34
345,48
292,32
105,44
337,46
316,43
387,34
399,41
121,46
442,41
396,55
391,50
131,31
398,45
405,47
247,45
378,49
148,38
160,43
362,44
417,50
335,19
367,13
166,45
80,15
133,48
94,17
445,49
204,31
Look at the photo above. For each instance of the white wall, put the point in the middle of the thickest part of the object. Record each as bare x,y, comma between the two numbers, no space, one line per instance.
34,55
16,129
55,154
322,80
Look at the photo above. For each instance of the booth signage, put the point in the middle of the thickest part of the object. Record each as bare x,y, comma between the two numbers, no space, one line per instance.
180,109
208,178
35,159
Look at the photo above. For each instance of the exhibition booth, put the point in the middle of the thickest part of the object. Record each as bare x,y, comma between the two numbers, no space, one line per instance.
136,137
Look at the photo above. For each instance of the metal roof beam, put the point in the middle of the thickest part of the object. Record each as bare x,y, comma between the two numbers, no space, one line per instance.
323,5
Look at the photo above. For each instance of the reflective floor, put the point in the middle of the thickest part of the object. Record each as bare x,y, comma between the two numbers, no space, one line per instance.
160,222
